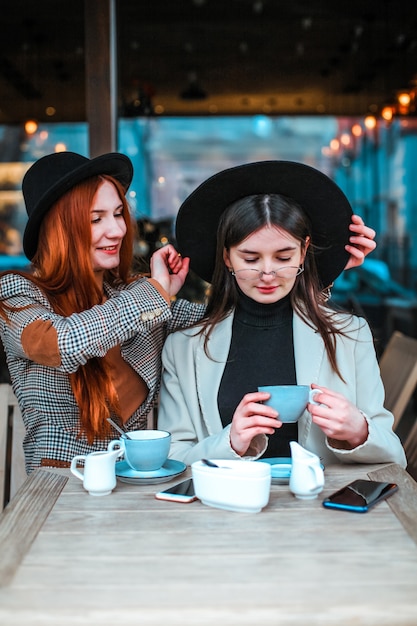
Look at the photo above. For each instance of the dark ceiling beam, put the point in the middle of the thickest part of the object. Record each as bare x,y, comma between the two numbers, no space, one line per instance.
101,75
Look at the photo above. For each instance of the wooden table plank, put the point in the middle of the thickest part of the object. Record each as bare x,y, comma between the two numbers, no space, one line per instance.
22,519
404,502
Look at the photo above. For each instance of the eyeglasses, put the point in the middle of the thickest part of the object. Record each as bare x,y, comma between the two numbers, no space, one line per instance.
282,272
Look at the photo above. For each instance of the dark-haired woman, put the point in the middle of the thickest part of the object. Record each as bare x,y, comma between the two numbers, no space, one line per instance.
269,236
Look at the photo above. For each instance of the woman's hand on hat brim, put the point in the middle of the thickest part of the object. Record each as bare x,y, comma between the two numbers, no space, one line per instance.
362,242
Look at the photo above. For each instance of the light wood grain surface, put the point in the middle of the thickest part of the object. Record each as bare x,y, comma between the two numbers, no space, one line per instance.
128,558
24,517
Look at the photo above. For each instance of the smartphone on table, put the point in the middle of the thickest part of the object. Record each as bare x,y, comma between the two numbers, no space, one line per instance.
182,492
360,495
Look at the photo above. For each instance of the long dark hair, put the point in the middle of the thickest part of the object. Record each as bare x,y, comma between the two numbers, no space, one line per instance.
238,222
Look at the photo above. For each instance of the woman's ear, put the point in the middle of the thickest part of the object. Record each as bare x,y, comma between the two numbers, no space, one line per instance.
226,259
305,248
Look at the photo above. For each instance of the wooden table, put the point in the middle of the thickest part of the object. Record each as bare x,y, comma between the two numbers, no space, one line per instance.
128,558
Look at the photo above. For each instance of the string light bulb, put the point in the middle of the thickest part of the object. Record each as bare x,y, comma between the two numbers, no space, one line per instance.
387,113
31,126
404,99
370,122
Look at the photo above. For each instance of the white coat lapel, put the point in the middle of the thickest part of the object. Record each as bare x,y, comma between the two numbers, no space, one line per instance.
210,371
308,352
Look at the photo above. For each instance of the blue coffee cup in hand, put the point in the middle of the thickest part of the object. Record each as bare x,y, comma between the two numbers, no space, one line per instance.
289,400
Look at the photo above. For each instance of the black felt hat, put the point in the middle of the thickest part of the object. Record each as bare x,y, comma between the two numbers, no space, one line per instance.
53,175
322,200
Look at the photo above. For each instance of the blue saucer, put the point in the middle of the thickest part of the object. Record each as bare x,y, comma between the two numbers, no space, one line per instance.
169,470
280,469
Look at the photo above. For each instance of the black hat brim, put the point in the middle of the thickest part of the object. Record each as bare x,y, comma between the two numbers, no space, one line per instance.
322,200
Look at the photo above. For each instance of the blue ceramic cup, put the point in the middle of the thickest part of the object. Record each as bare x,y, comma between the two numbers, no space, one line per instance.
144,450
289,400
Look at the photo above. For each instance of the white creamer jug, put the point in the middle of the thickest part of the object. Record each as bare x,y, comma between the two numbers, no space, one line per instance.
307,477
99,475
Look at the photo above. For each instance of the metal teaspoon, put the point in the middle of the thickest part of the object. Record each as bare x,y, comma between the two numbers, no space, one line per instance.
122,432
211,464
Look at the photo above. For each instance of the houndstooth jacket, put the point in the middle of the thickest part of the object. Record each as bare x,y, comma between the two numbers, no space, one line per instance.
137,317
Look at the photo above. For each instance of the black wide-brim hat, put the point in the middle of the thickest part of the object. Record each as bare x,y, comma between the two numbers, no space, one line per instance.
325,204
55,174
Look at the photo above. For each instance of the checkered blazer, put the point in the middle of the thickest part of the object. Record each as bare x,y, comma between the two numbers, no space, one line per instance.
134,316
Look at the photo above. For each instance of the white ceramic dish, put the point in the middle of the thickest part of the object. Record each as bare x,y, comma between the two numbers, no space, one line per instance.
242,486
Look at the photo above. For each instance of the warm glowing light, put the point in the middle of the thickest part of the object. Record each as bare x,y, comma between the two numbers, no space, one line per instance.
164,241
356,130
370,122
161,180
60,147
50,111
44,135
345,139
335,145
31,127
404,99
387,113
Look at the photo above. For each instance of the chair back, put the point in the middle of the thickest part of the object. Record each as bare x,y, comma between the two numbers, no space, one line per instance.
12,432
398,365
410,447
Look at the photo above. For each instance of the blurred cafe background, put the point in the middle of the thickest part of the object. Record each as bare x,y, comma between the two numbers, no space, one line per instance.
190,87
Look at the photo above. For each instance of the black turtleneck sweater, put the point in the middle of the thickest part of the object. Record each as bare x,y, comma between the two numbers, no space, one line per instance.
261,353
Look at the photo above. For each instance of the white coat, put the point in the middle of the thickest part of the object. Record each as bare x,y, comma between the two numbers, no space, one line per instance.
190,383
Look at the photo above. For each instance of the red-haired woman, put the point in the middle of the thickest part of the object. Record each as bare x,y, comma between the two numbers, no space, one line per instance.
82,336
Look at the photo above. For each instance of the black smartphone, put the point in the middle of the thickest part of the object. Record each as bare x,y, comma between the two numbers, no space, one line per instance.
182,492
360,495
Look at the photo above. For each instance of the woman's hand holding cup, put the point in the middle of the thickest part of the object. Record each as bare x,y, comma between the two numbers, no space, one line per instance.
250,419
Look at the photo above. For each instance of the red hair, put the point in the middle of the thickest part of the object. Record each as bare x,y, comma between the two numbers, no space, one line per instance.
64,272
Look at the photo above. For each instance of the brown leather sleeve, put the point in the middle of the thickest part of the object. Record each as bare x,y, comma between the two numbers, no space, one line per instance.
161,290
40,343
